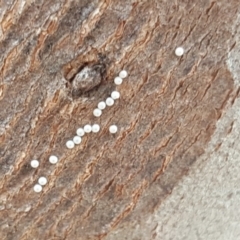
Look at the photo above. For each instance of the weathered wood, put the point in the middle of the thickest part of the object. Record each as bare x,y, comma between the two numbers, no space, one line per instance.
166,116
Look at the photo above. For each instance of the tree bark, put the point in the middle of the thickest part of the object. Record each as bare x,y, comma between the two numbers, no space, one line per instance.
166,114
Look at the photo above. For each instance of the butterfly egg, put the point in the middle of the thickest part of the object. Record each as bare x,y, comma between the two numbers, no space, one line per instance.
97,112
70,144
115,95
179,51
95,128
53,159
113,129
80,132
42,181
77,140
34,163
101,105
123,74
109,101
118,80
87,128
37,188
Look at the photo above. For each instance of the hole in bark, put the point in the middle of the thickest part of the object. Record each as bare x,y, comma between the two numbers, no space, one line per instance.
87,77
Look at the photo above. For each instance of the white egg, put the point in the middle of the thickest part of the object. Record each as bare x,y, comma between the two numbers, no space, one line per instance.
115,95
77,140
42,181
179,51
37,188
118,80
97,112
123,74
109,101
113,129
95,128
34,163
101,105
70,144
53,159
80,132
87,128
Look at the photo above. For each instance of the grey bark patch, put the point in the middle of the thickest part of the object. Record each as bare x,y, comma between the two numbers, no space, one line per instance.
87,79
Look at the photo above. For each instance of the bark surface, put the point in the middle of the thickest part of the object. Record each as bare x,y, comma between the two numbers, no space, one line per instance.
58,59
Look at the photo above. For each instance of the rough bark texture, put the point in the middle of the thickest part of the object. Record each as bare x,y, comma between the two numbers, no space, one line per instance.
167,114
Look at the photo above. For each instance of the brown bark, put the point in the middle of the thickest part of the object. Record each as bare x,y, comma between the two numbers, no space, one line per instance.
166,115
